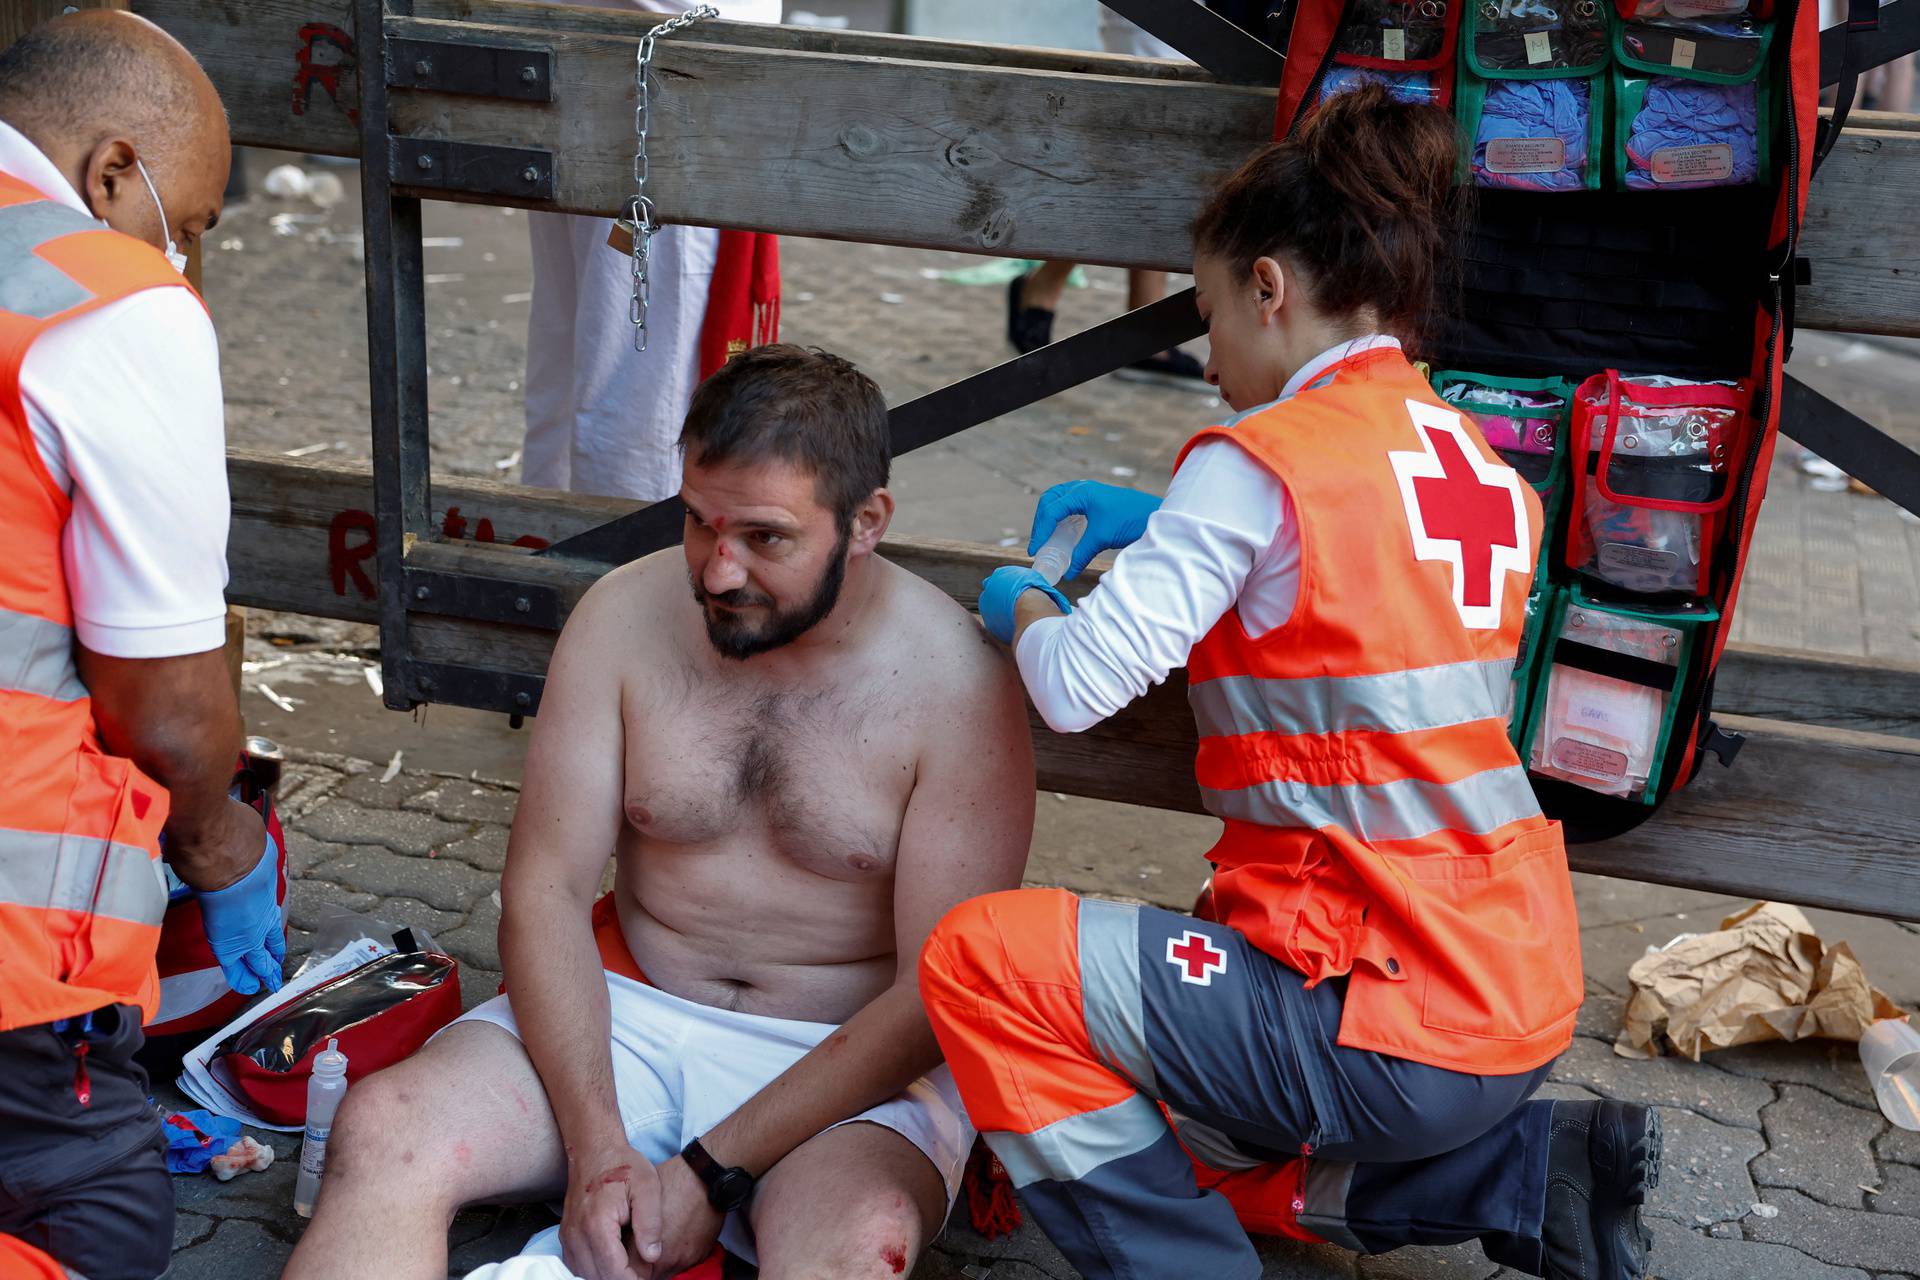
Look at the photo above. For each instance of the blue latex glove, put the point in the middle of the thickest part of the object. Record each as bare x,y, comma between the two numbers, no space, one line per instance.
1116,517
244,929
1002,587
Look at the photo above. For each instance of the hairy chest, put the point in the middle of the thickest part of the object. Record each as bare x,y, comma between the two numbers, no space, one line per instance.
819,778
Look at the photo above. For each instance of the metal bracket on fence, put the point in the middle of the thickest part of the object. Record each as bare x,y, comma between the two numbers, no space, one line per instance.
513,692
483,599
435,164
481,70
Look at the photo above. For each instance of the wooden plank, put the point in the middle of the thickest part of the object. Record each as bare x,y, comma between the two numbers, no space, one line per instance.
922,142
1875,695
1821,817
302,539
1803,797
17,17
1861,238
881,150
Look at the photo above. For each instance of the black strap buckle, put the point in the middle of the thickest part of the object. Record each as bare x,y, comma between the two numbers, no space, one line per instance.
1723,746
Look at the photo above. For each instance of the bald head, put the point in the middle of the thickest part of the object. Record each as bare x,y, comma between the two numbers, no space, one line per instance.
98,91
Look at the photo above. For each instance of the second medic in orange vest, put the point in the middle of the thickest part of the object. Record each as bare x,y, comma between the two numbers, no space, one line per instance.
1345,1049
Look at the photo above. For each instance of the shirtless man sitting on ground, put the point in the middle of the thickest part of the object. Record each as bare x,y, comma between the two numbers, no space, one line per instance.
798,767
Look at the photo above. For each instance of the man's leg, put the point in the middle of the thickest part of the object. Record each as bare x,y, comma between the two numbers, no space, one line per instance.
84,1181
857,1201
463,1121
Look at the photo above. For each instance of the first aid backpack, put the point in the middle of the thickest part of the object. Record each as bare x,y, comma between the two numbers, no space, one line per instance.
1641,171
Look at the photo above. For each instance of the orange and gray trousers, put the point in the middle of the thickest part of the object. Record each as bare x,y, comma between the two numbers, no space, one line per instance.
1157,1087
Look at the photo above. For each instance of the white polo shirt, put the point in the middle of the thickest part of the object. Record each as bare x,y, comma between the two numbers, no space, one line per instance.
124,404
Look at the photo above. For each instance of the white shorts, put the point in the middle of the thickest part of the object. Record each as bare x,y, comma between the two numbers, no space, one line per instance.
680,1068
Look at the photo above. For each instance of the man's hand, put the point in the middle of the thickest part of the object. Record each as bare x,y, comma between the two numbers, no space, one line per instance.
243,918
606,1193
689,1224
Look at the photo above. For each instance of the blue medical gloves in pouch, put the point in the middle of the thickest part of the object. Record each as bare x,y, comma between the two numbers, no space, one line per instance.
1406,45
1691,97
1533,87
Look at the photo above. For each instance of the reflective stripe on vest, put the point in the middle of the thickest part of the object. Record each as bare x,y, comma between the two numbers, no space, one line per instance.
1391,702
32,287
66,872
1402,810
36,656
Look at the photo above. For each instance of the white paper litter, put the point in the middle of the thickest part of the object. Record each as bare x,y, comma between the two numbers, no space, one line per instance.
393,769
287,181
279,700
374,682
200,1079
306,450
509,462
441,242
516,297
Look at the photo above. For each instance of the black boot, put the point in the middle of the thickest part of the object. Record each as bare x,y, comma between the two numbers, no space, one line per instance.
1028,328
1602,1160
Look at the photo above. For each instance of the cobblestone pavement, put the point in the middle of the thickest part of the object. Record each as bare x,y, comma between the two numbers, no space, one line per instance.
1777,1163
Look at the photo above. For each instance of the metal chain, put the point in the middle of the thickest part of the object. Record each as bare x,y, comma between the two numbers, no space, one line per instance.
640,208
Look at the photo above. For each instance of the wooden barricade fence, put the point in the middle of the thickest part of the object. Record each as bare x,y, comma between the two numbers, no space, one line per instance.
1020,153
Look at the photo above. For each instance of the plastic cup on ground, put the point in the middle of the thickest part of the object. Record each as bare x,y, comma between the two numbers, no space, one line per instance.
1890,1051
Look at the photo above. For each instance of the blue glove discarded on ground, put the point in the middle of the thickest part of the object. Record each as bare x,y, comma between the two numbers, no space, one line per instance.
244,929
1002,587
1115,518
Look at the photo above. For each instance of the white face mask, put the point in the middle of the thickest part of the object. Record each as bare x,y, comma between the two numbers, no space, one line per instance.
174,256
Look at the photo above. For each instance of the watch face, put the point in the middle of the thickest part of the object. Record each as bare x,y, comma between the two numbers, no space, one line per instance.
731,1189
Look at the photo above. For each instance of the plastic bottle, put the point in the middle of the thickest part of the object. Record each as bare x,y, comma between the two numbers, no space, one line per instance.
324,1090
1056,553
1890,1052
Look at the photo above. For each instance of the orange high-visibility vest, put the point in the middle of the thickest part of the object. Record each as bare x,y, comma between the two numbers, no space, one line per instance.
81,888
1378,822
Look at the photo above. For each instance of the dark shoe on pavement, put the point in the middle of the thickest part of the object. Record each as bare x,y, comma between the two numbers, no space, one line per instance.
1602,1160
1028,328
1173,368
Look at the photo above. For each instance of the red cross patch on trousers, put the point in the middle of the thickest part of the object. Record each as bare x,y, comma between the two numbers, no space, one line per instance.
1463,511
1195,956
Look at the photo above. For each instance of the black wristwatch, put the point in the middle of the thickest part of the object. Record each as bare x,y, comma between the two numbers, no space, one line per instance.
727,1189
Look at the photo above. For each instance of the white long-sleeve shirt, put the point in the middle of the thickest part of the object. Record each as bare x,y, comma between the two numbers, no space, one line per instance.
1224,538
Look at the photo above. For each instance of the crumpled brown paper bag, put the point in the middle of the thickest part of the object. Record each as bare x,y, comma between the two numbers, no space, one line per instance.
1765,975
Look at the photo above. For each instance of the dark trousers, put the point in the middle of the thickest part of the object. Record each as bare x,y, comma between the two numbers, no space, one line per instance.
1148,1078
85,1181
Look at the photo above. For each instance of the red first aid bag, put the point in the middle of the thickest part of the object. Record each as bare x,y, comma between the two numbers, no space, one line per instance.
380,1012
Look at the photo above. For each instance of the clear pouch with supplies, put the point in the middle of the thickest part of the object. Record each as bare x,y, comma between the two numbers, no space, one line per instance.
1693,103
1525,421
1406,45
1604,705
1539,134
1651,459
1537,38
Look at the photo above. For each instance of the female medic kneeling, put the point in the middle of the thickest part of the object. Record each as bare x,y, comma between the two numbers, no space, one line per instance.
1345,1050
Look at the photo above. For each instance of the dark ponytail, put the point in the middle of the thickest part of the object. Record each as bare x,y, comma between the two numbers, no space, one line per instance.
1361,199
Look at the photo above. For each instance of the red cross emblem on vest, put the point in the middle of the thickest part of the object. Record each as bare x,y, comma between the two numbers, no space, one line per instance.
1464,511
1195,957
